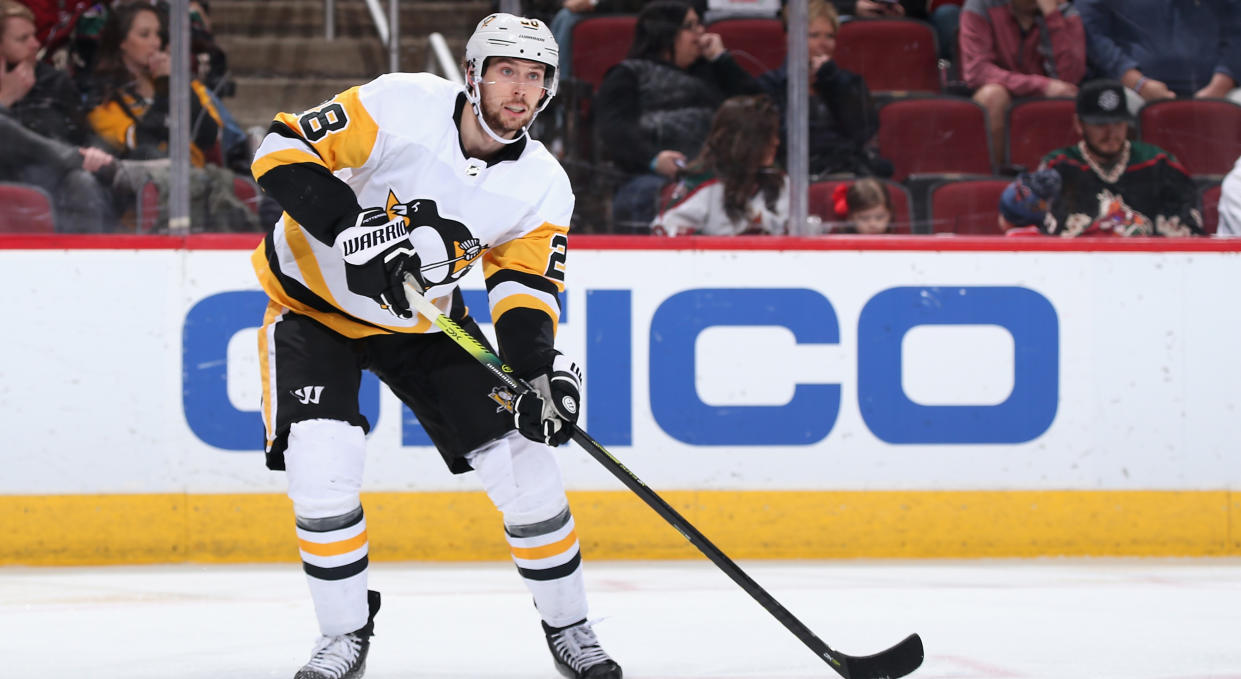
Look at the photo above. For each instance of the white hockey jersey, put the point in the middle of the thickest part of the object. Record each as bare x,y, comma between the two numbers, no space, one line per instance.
394,142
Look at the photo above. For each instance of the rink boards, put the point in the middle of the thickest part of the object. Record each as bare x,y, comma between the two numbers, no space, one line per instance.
925,397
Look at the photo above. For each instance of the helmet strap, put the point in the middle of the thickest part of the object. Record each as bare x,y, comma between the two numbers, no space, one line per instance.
475,95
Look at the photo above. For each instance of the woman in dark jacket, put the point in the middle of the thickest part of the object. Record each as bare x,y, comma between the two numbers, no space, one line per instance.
842,116
654,109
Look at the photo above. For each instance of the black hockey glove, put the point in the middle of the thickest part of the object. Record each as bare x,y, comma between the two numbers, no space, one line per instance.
547,413
378,253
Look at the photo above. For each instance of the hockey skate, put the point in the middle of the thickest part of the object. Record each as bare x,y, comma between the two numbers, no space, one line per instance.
343,656
577,652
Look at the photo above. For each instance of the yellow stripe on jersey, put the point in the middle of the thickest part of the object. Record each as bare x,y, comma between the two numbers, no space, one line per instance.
320,127
337,322
332,548
559,547
267,161
266,369
534,253
511,302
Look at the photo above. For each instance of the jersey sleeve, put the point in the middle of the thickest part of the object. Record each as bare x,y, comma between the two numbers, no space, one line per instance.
525,277
297,159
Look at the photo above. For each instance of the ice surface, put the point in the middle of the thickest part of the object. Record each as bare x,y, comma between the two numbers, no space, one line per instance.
1062,619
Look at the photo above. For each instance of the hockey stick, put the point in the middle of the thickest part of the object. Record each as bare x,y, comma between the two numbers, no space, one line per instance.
894,662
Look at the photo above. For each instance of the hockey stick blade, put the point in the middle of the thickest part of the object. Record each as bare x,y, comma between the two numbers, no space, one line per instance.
895,662
898,661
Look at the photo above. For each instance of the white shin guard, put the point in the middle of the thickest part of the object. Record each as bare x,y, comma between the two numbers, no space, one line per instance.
523,480
324,463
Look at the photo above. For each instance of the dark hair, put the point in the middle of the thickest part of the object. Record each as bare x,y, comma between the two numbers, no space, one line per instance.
110,71
656,31
741,134
867,193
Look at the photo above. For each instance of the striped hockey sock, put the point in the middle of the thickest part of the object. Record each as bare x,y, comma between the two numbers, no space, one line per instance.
334,555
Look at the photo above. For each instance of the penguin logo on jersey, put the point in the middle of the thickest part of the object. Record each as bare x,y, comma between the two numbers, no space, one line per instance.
446,248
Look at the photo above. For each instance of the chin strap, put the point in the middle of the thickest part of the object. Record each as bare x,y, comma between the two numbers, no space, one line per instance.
475,97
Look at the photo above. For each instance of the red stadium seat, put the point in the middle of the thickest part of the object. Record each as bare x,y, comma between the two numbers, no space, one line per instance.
970,206
599,43
819,201
934,135
25,209
1038,126
1210,208
893,55
147,208
1203,134
247,192
758,45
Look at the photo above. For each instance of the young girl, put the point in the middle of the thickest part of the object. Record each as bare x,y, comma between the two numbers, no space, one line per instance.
733,187
865,207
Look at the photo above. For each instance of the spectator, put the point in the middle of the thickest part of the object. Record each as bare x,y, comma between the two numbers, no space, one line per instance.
1161,49
1230,204
943,14
130,88
864,206
1025,203
43,133
1019,48
655,107
733,187
573,11
842,116
1113,186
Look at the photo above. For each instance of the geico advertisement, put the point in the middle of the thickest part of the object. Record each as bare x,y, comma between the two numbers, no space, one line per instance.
137,372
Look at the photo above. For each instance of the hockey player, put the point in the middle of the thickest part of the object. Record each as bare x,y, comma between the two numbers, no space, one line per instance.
412,175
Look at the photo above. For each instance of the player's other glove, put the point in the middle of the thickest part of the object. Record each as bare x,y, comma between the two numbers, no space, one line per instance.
547,413
378,253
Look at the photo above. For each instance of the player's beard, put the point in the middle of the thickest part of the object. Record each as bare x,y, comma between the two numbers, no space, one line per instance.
495,119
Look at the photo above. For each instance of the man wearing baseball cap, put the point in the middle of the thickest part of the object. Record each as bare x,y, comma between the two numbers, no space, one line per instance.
1112,186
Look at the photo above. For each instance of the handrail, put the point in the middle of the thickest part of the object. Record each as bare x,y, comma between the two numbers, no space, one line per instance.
440,59
381,22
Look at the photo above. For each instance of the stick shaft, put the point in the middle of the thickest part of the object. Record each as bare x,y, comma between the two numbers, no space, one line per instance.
505,375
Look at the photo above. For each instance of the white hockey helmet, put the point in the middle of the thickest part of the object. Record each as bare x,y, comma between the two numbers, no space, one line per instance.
506,35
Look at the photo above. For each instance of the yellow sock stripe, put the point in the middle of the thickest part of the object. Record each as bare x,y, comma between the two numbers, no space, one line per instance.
558,547
333,548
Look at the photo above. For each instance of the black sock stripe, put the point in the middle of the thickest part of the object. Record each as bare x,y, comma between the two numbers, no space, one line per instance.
330,523
338,572
553,573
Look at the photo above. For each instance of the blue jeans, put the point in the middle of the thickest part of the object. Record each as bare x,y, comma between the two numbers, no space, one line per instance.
635,203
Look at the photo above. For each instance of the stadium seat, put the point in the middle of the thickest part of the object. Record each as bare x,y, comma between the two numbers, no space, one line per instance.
1210,209
600,43
1037,127
758,45
967,206
934,135
247,191
819,201
25,209
147,208
1203,134
895,56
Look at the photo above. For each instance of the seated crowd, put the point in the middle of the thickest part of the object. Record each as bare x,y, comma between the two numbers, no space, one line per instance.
652,113
687,134
93,135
